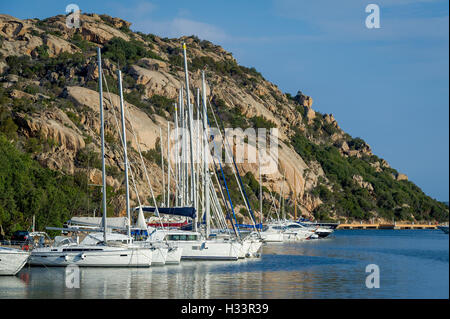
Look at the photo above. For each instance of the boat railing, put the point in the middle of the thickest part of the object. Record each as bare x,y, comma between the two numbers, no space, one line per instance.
16,244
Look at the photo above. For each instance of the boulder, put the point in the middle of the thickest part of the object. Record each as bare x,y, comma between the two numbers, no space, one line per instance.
363,184
57,46
310,114
156,82
146,128
101,33
152,64
3,67
303,100
16,94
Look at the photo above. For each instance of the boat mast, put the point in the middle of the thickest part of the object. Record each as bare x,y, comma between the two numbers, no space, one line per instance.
260,188
183,150
197,156
281,196
190,122
125,156
177,150
168,164
205,161
102,135
295,196
162,167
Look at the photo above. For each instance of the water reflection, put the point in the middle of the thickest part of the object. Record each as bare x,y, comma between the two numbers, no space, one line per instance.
331,268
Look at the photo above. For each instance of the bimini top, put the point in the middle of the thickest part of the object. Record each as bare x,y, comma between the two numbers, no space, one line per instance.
177,211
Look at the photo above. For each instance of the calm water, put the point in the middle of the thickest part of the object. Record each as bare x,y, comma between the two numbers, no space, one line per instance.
413,264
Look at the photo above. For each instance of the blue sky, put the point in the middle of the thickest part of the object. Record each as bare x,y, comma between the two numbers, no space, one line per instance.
388,86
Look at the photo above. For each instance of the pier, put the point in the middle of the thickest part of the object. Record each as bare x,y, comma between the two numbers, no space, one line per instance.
386,226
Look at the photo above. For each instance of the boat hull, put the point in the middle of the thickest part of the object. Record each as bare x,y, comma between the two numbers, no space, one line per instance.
254,249
12,261
322,233
296,235
209,250
243,250
272,237
174,255
126,257
159,256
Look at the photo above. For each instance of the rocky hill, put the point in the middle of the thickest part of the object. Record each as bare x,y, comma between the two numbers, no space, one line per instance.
49,115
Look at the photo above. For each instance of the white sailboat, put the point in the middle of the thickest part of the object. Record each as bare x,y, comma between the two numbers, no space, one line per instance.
165,252
110,255
272,233
294,231
193,244
196,247
112,251
12,260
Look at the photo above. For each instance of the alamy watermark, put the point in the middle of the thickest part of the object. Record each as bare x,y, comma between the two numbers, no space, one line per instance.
73,19
373,19
373,279
72,276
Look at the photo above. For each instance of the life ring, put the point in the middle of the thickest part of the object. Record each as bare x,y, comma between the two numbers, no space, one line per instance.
25,247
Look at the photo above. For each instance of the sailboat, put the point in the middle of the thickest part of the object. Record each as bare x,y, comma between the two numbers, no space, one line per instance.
195,244
163,252
12,260
163,249
110,250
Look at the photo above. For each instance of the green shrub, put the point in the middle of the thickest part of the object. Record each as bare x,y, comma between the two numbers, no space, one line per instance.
42,51
32,89
84,45
357,143
261,122
8,128
176,60
28,189
350,200
161,102
126,52
74,118
86,158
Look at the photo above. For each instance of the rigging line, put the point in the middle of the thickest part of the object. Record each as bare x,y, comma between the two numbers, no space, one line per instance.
162,167
223,177
216,169
134,135
229,197
229,203
144,166
115,118
235,169
121,140
236,172
273,204
219,212
220,188
122,143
